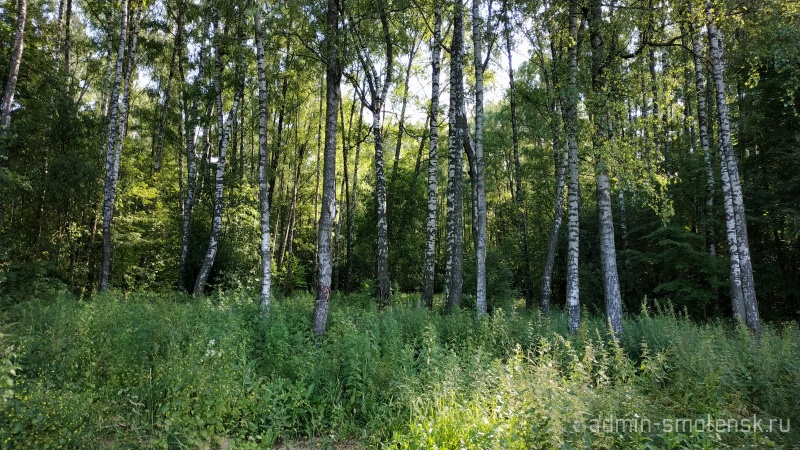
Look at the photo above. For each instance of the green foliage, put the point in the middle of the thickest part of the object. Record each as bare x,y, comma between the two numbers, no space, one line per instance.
173,372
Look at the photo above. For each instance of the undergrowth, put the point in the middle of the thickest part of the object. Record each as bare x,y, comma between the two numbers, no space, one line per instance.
169,371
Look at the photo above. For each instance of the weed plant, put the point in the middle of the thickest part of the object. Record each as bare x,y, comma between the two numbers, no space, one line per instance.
170,371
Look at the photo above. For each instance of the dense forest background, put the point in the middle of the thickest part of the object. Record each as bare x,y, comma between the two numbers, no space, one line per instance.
667,201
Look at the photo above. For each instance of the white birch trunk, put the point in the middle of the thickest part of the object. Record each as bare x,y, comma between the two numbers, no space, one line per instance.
333,77
573,207
13,66
480,188
601,140
109,188
737,295
561,161
219,195
433,161
263,191
730,166
705,147
455,218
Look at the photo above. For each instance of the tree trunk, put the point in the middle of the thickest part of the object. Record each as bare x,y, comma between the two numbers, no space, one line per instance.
599,106
276,153
216,221
110,186
480,187
705,145
290,225
455,218
573,208
351,207
333,78
162,125
519,197
378,90
263,191
433,161
401,127
729,165
13,66
67,39
192,127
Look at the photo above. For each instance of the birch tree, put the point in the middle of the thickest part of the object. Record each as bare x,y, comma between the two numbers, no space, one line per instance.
110,184
222,148
732,189
560,158
13,66
193,127
455,218
162,124
480,188
433,160
570,112
333,77
601,140
378,89
705,140
263,190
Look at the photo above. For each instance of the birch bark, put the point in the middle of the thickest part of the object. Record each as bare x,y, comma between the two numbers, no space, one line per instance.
333,77
109,188
433,160
480,187
601,141
729,165
219,194
573,207
263,189
455,217
13,67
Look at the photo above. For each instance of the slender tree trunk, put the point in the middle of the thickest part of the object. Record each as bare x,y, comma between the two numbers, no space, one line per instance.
67,40
401,127
519,197
573,199
382,262
276,153
378,92
433,161
290,225
263,191
13,66
162,125
552,241
729,165
219,197
333,78
480,187
192,127
560,161
351,206
322,98
59,33
455,218
737,295
346,146
601,141
705,145
110,187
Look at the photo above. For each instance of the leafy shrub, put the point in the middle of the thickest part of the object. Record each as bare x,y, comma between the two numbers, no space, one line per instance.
173,371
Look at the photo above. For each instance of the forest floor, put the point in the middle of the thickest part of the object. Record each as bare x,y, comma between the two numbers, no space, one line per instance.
147,370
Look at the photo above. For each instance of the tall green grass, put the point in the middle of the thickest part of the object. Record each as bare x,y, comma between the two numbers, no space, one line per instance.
156,371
